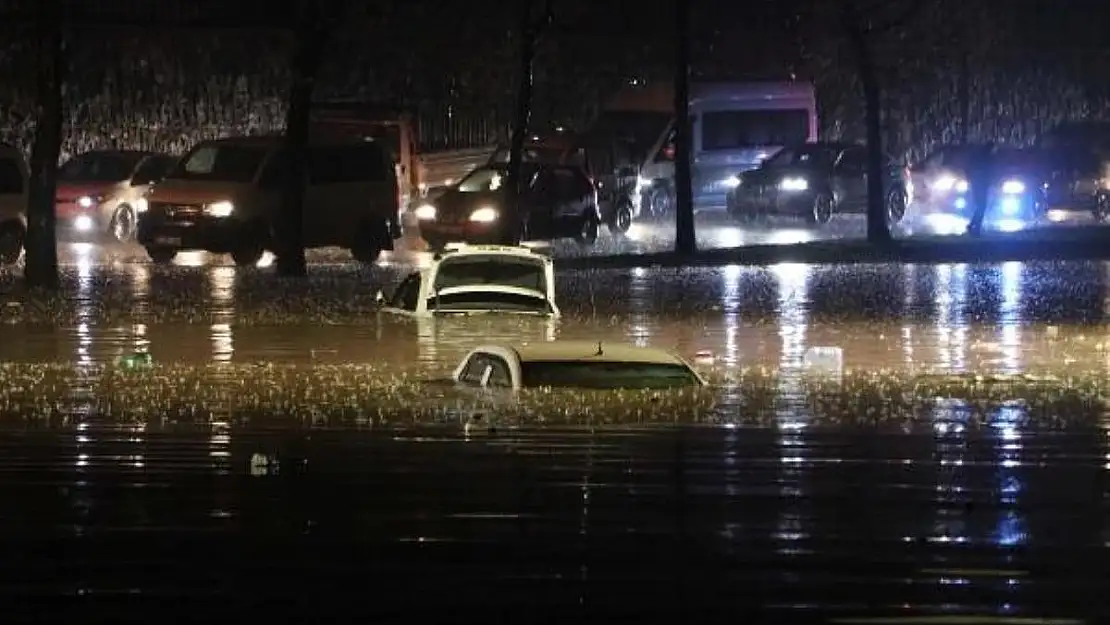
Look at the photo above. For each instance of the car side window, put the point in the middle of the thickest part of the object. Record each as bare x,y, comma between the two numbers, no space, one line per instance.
475,371
11,178
275,171
852,161
407,294
499,376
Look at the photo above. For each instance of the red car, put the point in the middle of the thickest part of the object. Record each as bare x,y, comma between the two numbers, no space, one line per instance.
103,192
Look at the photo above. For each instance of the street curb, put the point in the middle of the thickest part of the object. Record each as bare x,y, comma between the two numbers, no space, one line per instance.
1091,243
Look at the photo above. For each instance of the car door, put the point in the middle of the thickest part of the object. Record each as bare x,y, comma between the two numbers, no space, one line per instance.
406,297
849,178
542,204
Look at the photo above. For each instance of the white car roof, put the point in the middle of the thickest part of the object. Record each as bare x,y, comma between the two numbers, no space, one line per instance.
588,351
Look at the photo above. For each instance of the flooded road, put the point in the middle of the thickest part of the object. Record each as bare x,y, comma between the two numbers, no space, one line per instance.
311,488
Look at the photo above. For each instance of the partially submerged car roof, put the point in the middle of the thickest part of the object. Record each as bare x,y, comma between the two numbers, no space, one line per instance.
593,351
485,250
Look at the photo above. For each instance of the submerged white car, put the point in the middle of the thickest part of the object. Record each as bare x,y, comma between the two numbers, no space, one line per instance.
478,279
574,364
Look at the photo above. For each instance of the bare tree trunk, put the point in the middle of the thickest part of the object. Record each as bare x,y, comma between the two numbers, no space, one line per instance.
685,241
41,270
511,218
878,225
289,225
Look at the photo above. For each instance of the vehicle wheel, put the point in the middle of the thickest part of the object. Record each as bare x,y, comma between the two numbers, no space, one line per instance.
123,224
660,203
247,254
822,211
161,255
895,206
11,242
622,219
588,230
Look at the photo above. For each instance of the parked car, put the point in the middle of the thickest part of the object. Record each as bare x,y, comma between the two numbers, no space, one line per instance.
13,204
557,201
475,280
224,197
103,192
814,181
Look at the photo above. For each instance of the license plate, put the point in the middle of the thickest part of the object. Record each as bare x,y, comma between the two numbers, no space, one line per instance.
167,240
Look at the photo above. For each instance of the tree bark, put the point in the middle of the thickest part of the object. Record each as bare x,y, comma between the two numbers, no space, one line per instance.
289,225
41,269
511,215
878,226
685,241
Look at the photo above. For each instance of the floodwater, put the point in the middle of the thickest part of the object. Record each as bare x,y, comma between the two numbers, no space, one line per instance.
840,502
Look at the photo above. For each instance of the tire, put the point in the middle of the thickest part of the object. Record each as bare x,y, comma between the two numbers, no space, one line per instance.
588,230
12,235
622,219
822,210
124,224
247,254
161,255
895,207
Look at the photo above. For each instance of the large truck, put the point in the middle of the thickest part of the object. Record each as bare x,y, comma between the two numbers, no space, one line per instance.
417,173
735,126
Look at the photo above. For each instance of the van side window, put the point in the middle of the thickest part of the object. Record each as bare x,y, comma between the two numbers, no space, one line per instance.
349,163
11,178
275,172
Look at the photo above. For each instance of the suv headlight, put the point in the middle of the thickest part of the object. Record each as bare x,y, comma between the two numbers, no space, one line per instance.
425,212
794,184
87,201
484,215
219,209
1013,187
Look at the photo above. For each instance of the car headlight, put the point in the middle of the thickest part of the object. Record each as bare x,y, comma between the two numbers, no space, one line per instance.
484,215
425,212
731,182
141,205
219,209
948,183
1013,187
86,201
794,184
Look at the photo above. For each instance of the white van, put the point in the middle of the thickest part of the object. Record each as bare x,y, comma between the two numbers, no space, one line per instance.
223,196
13,203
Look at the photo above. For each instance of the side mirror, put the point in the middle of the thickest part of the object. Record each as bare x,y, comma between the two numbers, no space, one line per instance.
379,298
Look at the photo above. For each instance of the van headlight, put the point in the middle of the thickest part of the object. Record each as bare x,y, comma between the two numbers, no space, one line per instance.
794,184
219,209
484,215
425,212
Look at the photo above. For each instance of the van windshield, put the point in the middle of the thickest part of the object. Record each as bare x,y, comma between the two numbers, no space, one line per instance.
220,163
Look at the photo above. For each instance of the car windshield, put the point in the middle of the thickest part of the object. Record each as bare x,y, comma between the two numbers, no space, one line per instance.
482,179
606,375
491,270
489,300
99,167
804,155
221,163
